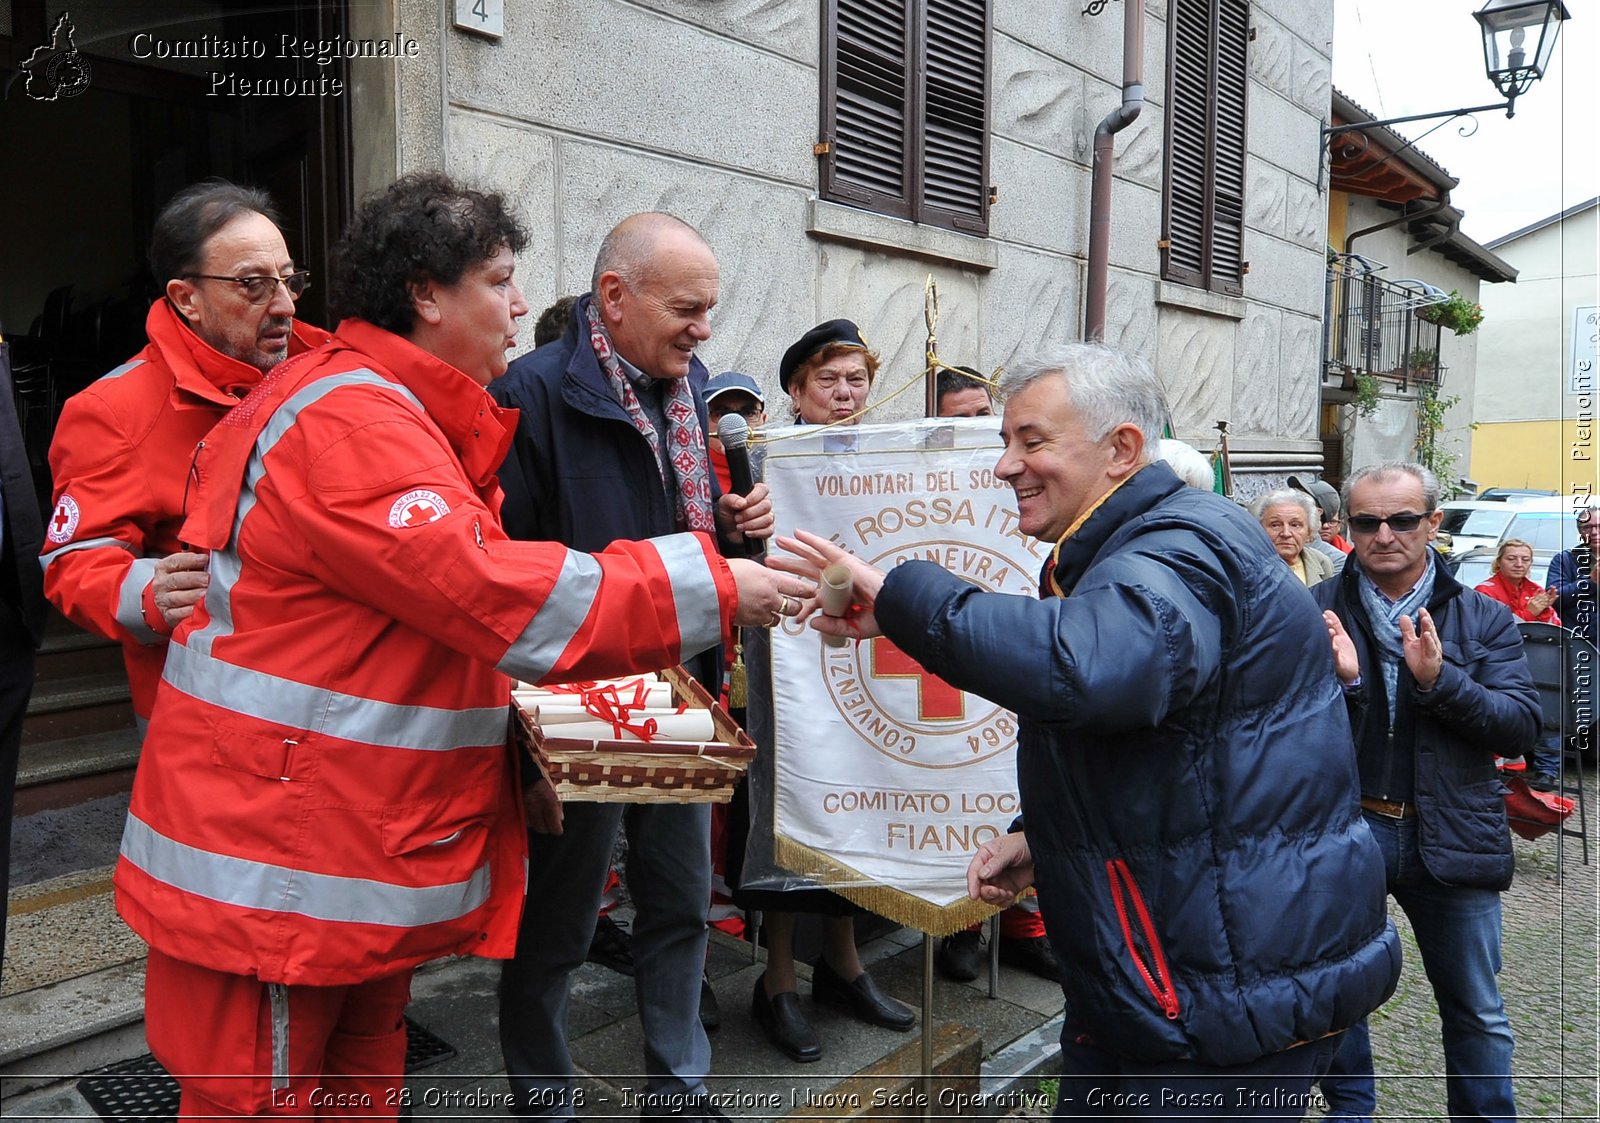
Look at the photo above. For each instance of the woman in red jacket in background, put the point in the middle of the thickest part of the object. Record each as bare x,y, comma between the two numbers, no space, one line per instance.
1508,583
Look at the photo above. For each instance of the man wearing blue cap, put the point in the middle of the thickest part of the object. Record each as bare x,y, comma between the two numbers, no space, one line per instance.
732,392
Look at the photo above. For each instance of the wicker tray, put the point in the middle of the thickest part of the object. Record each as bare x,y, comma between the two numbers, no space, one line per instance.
636,772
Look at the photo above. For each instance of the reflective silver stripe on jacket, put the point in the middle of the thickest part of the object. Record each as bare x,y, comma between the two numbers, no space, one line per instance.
534,654
316,709
130,600
86,544
694,591
320,896
118,372
224,566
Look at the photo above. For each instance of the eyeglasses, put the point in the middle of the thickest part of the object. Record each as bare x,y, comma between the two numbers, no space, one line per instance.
1403,523
749,412
259,290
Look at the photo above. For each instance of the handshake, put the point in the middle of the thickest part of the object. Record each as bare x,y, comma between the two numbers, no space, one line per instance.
814,580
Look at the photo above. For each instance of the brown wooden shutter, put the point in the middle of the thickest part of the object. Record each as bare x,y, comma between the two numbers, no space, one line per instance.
1189,33
865,118
955,158
905,108
1228,150
1203,197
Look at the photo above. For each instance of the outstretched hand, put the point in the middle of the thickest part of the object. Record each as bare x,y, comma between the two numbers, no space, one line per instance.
811,555
1345,662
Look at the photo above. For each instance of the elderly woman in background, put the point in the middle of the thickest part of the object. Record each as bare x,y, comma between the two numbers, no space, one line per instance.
1288,517
1508,583
827,374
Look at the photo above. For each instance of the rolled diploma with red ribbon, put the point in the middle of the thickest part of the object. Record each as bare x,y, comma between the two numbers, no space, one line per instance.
657,695
835,591
692,726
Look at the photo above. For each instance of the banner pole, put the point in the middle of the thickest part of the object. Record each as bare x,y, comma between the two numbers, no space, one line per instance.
927,1026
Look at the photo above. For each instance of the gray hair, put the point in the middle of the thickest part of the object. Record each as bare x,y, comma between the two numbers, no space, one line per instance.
1288,497
1388,470
628,250
1106,387
1189,463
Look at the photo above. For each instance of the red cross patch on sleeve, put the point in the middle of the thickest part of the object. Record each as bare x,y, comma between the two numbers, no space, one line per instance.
418,508
63,521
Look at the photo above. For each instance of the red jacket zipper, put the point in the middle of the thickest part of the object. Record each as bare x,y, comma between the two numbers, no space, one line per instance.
1155,973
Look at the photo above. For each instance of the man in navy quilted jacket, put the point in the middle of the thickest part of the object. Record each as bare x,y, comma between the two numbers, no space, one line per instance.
1437,685
1184,761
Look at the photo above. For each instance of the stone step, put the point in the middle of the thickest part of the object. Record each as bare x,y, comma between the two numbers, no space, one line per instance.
77,706
49,762
66,654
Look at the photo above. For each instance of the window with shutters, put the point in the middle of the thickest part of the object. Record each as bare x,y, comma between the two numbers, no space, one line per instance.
1203,199
905,109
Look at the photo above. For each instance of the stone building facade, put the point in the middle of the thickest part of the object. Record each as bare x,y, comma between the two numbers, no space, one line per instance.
587,110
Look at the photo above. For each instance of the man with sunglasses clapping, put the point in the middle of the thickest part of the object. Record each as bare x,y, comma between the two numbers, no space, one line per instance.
122,452
1436,685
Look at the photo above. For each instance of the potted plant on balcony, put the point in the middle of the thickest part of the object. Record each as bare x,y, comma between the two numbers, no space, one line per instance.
1457,313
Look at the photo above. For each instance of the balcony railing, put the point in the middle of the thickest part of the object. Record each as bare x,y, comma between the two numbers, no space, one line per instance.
1371,326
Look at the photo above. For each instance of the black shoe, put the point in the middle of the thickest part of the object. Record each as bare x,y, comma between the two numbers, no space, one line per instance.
786,1027
1032,953
861,997
1543,782
610,946
959,956
710,1014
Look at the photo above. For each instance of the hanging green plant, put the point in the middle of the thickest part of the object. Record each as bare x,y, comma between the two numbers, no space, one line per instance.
1368,391
1459,314
1431,410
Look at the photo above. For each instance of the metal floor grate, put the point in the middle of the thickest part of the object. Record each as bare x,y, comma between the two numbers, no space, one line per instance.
141,1089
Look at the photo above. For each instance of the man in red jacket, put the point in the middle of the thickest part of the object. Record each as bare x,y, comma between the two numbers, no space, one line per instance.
122,450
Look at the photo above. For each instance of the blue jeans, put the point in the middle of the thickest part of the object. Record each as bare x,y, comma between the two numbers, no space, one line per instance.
1096,1084
1458,933
669,881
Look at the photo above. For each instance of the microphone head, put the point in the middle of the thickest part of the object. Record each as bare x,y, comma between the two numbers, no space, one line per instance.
733,431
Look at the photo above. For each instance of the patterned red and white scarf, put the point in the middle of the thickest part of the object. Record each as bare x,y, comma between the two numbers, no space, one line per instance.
683,460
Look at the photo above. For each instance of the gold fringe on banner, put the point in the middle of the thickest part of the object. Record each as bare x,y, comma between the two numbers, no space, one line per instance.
885,900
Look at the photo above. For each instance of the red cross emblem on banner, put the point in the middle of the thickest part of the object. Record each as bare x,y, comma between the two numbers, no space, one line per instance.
418,508
937,700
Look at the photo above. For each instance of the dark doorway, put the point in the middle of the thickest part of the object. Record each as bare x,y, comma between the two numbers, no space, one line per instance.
87,171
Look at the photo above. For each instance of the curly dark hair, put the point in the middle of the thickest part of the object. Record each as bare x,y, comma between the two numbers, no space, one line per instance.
421,227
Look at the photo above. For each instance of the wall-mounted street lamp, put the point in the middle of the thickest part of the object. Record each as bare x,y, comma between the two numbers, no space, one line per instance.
1507,59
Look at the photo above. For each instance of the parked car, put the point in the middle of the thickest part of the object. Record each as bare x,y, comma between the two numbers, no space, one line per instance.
1501,494
1472,523
1548,525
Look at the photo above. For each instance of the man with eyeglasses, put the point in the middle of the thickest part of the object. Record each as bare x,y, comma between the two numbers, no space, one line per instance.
121,456
1437,685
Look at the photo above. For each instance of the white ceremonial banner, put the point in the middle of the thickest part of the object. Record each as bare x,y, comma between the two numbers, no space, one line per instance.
887,777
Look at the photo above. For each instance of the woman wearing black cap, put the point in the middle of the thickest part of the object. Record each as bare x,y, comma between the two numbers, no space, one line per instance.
827,374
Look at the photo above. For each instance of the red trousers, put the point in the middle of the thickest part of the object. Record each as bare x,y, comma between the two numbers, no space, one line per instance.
337,1052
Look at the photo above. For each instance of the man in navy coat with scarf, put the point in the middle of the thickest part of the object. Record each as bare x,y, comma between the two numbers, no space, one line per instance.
612,445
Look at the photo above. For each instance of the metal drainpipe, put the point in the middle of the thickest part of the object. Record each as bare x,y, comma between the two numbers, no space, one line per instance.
1094,300
1413,216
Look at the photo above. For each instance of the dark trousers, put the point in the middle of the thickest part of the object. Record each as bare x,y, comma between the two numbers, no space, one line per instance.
16,684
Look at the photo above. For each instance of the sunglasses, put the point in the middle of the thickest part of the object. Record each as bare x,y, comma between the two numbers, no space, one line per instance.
1403,523
259,290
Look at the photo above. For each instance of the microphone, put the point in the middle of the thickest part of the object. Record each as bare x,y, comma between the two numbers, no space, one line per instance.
734,433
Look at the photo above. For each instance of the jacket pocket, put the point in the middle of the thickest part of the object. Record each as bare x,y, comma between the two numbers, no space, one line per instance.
270,754
1144,946
442,830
